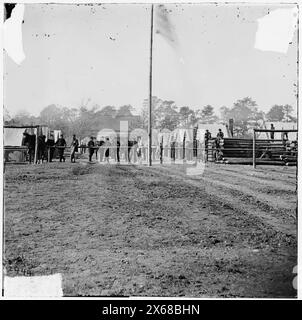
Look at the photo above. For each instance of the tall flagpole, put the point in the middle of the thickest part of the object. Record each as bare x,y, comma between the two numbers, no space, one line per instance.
150,95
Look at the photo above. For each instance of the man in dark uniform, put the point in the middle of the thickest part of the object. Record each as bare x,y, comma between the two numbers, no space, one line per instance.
272,132
220,134
74,148
173,151
41,148
207,135
96,149
61,143
101,149
50,147
29,140
118,145
131,144
91,148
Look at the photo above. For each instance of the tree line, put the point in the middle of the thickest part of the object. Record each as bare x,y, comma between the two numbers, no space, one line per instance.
85,121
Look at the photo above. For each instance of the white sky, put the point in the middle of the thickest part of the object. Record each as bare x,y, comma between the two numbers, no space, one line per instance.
70,58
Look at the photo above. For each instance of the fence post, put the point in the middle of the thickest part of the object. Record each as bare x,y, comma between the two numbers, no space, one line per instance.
254,148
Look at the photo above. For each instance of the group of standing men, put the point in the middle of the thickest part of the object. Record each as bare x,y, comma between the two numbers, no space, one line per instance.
216,144
94,146
61,145
46,149
107,148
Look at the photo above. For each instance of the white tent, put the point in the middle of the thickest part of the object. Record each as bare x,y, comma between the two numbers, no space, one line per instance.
13,136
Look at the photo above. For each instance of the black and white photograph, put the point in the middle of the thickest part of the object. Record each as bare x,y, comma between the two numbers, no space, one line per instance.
150,150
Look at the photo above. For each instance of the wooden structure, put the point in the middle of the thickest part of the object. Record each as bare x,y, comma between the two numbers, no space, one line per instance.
252,151
273,148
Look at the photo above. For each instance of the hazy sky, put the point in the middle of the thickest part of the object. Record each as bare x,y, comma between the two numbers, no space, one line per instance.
101,52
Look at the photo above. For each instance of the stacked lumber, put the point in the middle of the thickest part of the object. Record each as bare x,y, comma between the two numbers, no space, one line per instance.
240,151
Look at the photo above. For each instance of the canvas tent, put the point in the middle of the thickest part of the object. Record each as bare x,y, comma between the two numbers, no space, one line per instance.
13,136
12,139
56,134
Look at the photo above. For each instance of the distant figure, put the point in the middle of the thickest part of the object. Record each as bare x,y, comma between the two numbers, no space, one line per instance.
96,149
118,145
272,132
91,148
107,149
139,150
50,147
218,154
101,149
131,144
173,150
293,147
161,151
74,148
41,149
207,135
61,143
220,134
134,150
29,140
284,137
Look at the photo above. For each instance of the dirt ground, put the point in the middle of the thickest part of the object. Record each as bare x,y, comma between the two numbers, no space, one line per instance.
126,230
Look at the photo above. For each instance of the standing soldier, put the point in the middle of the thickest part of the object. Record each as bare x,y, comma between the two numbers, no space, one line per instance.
118,145
207,137
272,132
29,141
91,148
74,148
101,149
61,143
172,150
41,149
96,147
139,149
50,147
107,148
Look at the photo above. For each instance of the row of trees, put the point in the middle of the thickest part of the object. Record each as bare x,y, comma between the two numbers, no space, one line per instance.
81,121
166,114
85,121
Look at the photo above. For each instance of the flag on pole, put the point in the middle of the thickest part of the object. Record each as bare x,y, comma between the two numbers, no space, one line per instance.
164,26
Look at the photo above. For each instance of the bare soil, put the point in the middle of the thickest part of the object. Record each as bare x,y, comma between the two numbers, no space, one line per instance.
123,230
